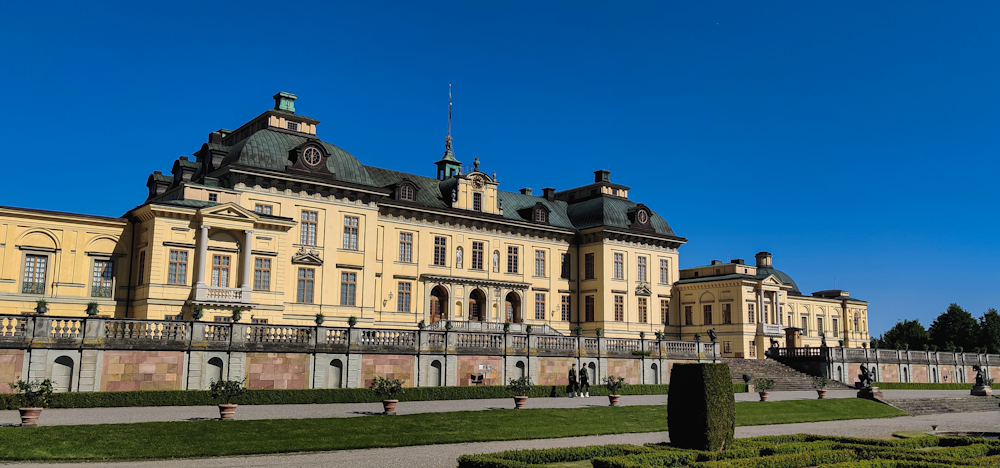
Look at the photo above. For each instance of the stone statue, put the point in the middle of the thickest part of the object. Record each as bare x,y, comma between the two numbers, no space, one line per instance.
454,196
584,383
774,342
475,163
712,335
980,379
573,386
822,340
496,262
458,258
867,376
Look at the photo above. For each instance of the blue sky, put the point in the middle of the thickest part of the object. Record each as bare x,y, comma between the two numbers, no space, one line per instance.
856,141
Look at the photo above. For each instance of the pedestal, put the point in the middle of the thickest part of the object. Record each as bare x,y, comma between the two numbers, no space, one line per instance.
871,393
982,390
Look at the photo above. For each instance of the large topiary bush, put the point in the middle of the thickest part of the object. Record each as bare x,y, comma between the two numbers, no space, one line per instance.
701,408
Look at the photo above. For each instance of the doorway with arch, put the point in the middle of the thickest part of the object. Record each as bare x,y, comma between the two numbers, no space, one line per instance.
477,306
439,303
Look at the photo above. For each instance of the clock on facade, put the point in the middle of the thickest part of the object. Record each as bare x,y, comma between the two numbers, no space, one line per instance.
312,156
477,182
642,217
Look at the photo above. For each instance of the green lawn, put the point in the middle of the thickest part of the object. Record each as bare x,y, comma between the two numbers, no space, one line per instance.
216,438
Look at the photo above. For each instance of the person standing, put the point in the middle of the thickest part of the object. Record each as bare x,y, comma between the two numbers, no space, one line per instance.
573,386
584,382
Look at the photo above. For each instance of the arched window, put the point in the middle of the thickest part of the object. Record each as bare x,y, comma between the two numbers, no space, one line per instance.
406,192
541,216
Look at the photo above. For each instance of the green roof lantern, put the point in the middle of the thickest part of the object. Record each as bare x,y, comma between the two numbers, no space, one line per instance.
285,101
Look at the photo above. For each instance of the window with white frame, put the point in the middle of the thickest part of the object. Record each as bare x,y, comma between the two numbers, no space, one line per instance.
306,283
539,263
262,274
539,306
403,297
34,274
664,271
619,272
350,232
512,257
307,233
440,251
348,288
641,269
406,247
176,267
103,278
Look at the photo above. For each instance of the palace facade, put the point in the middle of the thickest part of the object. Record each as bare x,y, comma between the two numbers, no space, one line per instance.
270,220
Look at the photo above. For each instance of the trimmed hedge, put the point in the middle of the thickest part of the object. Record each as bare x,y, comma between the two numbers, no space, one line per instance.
702,403
311,396
526,458
923,386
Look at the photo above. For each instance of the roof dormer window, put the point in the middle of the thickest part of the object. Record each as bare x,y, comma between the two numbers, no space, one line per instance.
293,126
541,216
406,193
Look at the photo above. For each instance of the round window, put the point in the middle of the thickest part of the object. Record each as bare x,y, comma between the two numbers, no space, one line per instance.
642,217
312,156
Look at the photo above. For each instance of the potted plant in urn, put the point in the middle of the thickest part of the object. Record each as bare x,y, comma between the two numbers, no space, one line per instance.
387,390
598,331
92,309
225,391
34,396
520,389
614,386
319,319
41,307
763,387
197,312
352,321
820,383
237,314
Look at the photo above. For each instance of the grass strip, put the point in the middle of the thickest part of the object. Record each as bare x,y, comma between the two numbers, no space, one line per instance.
187,439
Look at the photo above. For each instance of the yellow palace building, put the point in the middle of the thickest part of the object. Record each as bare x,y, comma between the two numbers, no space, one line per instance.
273,221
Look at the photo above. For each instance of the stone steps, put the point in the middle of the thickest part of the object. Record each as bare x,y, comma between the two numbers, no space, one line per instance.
969,404
785,378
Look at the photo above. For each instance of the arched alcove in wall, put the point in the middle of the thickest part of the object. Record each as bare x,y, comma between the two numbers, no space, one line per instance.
434,377
62,374
335,375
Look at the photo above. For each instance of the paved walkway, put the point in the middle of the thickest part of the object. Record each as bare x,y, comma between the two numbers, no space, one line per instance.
444,456
74,416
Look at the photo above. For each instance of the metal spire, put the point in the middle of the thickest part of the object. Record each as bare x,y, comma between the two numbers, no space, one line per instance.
447,139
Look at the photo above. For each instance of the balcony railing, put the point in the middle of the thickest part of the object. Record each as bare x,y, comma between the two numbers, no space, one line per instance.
221,295
33,288
100,291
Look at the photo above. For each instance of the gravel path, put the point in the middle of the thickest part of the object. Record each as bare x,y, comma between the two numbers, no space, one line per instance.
75,416
444,456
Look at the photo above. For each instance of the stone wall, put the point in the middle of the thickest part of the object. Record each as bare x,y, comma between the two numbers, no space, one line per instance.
11,366
629,368
490,367
554,370
388,366
278,370
142,370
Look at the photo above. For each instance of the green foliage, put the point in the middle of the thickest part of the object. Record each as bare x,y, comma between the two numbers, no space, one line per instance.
989,331
578,330
820,382
225,391
319,319
923,386
93,308
237,314
614,384
422,325
598,332
352,321
702,402
520,386
906,332
197,312
41,307
32,394
524,458
637,352
447,325
763,384
387,389
954,327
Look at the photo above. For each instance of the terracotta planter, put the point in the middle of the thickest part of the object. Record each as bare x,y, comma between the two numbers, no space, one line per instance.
763,395
227,412
389,406
520,401
613,399
29,416
821,393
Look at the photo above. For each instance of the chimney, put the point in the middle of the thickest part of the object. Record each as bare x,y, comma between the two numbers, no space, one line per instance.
716,262
763,259
549,193
215,138
738,261
285,101
602,176
526,191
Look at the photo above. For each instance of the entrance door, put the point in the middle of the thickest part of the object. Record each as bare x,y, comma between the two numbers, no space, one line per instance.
477,306
512,306
439,299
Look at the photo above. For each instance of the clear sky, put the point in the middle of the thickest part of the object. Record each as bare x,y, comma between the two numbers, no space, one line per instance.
856,141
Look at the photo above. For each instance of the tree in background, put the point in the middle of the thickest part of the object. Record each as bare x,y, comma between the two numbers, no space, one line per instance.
906,332
989,331
955,327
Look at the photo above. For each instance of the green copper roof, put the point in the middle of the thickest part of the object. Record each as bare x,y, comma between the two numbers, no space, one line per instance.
268,149
764,272
613,212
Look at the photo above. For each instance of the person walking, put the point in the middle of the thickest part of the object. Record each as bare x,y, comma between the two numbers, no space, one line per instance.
584,383
573,386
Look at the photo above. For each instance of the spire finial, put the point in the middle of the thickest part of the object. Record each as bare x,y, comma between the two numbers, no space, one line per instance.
447,139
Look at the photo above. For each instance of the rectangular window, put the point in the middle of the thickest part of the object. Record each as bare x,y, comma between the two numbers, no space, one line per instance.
406,247
441,251
727,313
805,326
176,269
539,306
664,272
588,268
707,308
727,347
664,311
293,126
174,318
819,325
643,310
750,313
619,266
477,256
220,271
213,197
142,267
34,274
307,282
350,233
835,331
589,309
641,270
307,235
262,274
619,308
223,318
348,288
539,263
753,349
477,202
403,297
688,315
263,209
566,308
103,276
512,258
565,266
258,321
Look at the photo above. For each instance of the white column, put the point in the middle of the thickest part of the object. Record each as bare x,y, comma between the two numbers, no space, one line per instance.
202,255
760,305
247,281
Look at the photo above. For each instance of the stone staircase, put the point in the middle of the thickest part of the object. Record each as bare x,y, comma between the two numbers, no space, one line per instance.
785,378
969,404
